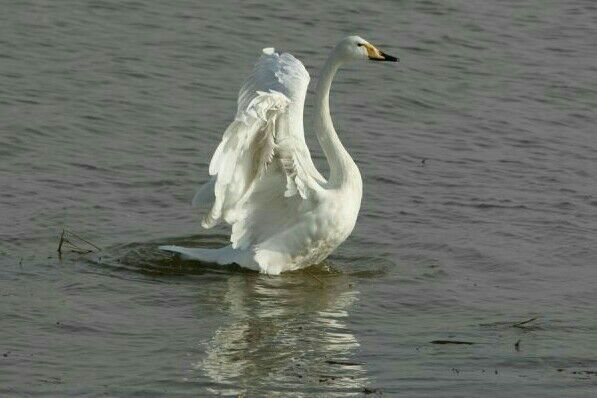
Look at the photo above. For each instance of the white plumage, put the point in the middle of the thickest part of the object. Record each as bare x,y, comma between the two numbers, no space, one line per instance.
284,214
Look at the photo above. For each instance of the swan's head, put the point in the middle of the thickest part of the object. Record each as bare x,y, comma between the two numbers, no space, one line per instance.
354,48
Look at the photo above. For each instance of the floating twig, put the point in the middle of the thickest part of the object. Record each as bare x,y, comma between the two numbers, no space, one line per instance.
517,345
452,342
343,363
61,242
84,240
64,240
520,324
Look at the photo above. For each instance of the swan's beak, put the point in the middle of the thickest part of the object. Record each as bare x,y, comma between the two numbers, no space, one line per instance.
376,55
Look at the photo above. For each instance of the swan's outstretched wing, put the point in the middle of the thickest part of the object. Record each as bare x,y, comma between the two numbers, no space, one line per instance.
287,75
262,172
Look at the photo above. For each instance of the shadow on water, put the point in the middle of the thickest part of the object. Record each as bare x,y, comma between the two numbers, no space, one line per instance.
287,332
146,258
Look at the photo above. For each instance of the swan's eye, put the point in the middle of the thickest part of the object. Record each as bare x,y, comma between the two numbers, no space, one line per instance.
360,44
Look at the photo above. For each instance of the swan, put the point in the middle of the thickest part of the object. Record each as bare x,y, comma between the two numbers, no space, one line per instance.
284,214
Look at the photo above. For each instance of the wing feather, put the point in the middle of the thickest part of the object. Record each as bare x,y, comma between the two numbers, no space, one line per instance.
262,172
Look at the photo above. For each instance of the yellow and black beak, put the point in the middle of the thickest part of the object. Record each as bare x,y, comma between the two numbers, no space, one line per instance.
376,55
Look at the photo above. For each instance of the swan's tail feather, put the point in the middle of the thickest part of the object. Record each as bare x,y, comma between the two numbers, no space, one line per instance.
220,256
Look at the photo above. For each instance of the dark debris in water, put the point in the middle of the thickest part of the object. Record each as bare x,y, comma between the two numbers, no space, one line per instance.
53,380
343,363
584,372
524,324
452,342
369,391
328,378
75,243
580,374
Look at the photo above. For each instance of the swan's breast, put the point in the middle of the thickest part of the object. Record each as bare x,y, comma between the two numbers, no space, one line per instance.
327,227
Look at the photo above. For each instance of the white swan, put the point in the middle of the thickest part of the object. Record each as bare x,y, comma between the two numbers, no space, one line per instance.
284,214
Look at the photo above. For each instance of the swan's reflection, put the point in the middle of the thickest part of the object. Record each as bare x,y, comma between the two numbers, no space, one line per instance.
285,335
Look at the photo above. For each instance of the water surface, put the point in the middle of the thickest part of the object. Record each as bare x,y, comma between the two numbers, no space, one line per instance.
478,153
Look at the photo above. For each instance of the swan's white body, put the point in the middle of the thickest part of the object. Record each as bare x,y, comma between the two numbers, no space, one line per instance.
284,214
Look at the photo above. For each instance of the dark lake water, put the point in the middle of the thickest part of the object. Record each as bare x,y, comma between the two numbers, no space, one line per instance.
109,113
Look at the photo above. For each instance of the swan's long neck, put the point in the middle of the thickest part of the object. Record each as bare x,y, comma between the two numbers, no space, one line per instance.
343,170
